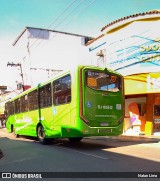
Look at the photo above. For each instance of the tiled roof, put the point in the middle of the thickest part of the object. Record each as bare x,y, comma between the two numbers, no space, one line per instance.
127,19
91,41
131,17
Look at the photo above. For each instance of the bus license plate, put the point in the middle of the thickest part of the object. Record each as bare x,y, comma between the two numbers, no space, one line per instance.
104,130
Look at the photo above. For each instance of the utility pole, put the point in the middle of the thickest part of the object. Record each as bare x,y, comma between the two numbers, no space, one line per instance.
48,70
18,65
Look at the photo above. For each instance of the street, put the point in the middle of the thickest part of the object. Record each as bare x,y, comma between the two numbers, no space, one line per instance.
25,154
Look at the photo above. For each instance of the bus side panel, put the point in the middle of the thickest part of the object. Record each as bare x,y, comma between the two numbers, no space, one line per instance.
71,129
9,122
31,120
51,127
61,117
23,123
19,124
14,123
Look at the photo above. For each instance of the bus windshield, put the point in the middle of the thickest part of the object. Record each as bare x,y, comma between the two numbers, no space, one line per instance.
100,80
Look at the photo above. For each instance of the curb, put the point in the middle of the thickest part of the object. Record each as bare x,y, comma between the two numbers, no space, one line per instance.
127,138
1,154
140,138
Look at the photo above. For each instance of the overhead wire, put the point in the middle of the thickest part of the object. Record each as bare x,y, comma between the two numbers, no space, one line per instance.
63,18
29,47
56,19
75,16
68,7
80,12
69,14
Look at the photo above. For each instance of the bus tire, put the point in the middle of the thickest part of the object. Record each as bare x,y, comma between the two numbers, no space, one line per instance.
41,135
13,132
75,139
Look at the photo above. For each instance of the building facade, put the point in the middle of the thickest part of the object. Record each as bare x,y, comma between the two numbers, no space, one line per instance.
40,54
131,46
43,53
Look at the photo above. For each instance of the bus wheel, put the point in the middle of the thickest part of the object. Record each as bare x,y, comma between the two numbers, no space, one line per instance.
14,133
41,135
75,139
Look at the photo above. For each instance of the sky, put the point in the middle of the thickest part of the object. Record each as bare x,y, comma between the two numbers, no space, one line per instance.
84,17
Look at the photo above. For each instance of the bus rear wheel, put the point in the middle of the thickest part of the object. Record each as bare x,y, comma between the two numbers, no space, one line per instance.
14,132
41,135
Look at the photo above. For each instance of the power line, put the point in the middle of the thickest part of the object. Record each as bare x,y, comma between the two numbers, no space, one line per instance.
80,12
75,16
67,7
64,18
69,14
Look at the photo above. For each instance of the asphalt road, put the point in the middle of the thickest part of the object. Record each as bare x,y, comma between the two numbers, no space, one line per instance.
102,155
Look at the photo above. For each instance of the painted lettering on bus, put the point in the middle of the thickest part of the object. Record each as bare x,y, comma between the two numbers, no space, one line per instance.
104,107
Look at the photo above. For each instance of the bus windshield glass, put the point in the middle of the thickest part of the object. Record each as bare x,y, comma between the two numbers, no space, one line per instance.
100,80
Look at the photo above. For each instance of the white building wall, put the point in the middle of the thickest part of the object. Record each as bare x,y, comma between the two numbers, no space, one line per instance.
131,49
59,52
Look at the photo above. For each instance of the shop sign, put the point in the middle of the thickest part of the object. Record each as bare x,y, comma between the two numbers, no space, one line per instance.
142,83
132,49
153,84
136,49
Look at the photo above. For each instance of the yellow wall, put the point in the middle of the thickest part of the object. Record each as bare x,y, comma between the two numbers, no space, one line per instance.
142,83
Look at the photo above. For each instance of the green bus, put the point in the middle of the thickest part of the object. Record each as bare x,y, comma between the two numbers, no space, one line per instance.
87,101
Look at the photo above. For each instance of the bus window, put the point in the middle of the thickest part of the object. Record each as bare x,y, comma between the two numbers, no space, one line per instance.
7,109
62,90
102,81
33,100
17,106
11,108
24,103
45,96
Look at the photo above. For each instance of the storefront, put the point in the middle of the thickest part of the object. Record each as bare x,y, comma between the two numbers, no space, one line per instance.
143,90
131,46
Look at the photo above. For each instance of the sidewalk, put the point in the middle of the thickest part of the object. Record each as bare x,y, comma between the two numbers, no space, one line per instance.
132,134
131,137
142,137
